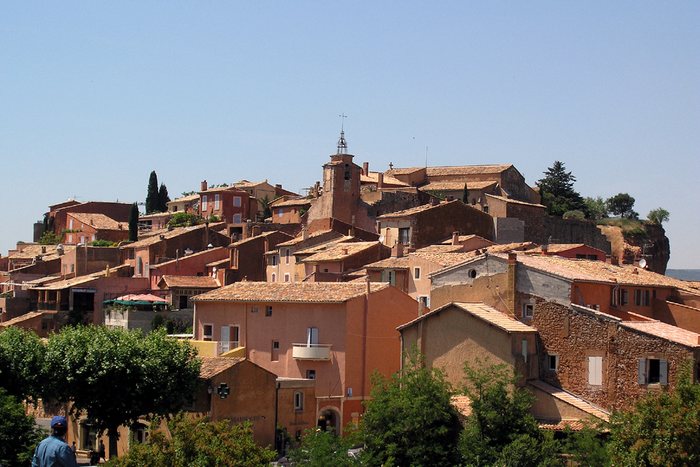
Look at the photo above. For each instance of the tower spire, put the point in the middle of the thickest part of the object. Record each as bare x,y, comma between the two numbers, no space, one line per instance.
342,144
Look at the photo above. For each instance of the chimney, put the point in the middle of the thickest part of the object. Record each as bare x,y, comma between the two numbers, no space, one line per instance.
380,180
203,186
278,186
455,238
614,260
317,189
397,250
345,251
43,249
512,276
304,233
421,309
365,168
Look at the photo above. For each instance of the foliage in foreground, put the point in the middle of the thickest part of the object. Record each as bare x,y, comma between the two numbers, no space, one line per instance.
410,420
21,362
662,430
184,219
500,429
322,448
658,216
18,433
197,442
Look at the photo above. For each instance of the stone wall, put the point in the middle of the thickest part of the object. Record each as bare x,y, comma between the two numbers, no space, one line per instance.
570,231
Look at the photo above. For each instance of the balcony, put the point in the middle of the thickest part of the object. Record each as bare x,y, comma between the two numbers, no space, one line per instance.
311,351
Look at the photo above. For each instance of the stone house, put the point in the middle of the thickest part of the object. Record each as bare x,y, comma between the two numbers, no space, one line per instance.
282,262
247,257
334,263
227,203
83,228
289,211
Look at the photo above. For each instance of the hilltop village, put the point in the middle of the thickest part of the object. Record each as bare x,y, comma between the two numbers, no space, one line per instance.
294,300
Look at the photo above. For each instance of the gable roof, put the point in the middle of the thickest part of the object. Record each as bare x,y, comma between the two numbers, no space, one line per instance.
514,201
456,185
80,280
404,262
212,366
291,202
300,238
98,221
25,317
467,169
340,251
168,234
294,292
222,249
258,237
195,282
481,311
413,211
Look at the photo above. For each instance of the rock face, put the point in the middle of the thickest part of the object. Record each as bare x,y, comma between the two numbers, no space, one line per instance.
651,244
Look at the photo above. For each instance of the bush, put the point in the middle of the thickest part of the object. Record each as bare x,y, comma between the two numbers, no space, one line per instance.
184,219
575,214
658,216
19,434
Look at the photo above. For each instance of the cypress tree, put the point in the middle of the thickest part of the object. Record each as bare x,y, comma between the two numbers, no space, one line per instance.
152,193
134,223
465,195
163,198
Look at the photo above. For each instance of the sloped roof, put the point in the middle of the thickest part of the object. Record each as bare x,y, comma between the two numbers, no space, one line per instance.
514,201
373,177
665,331
404,171
212,366
167,234
456,185
291,202
325,245
222,249
447,248
340,251
571,399
300,238
481,311
25,317
415,210
467,169
441,259
98,221
258,237
67,283
184,199
294,292
199,282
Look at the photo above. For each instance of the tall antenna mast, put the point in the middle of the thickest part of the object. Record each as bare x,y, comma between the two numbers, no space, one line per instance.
342,144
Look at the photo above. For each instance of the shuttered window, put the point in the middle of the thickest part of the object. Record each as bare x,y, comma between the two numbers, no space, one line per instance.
652,371
595,371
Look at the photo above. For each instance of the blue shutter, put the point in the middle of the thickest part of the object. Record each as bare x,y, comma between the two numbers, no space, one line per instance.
663,372
642,371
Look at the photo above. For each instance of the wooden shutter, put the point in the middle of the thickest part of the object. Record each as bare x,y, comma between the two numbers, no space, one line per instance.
642,371
595,371
663,372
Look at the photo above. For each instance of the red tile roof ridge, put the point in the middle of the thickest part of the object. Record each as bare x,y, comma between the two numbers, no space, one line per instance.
290,292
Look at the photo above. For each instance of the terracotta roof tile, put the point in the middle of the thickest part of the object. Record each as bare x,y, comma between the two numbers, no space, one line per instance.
98,221
438,258
221,249
665,331
467,169
25,317
447,248
481,311
167,234
514,201
184,199
67,283
199,282
373,177
413,211
340,251
299,292
404,171
212,366
571,399
291,202
300,238
324,246
456,185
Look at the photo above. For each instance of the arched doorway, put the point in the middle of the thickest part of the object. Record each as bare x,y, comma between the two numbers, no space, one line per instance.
329,420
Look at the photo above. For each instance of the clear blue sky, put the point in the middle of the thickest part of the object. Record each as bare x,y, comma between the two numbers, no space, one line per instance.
95,95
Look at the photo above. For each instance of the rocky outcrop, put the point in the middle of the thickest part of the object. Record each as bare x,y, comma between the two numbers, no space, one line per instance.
648,242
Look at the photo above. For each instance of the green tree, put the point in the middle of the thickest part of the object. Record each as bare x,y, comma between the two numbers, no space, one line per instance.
134,223
621,204
49,238
152,193
596,208
19,434
163,198
117,376
267,208
500,429
557,191
587,447
662,429
575,214
322,448
21,363
658,216
410,420
198,442
184,219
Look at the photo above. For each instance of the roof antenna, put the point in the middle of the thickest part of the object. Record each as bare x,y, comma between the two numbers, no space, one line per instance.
342,144
426,156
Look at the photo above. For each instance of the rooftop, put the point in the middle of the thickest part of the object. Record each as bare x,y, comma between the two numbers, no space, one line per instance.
67,283
98,221
570,399
514,201
441,259
258,237
481,311
184,199
290,292
212,366
291,202
413,211
223,250
167,234
340,251
457,185
198,282
468,169
373,177
324,246
25,317
665,331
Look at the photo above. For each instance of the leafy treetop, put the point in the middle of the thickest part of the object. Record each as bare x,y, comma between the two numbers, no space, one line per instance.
557,190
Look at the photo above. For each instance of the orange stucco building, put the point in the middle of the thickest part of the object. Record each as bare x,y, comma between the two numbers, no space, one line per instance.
336,334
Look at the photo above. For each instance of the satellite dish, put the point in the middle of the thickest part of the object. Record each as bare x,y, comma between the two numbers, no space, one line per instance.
642,263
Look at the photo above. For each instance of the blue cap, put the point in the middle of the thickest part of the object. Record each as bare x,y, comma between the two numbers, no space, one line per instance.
59,421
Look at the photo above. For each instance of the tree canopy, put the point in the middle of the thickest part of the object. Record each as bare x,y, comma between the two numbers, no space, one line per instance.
134,223
557,191
658,216
198,442
410,420
596,208
163,198
621,204
152,202
19,435
21,362
157,375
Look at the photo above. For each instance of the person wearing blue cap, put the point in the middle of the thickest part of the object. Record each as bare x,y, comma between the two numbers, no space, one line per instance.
54,451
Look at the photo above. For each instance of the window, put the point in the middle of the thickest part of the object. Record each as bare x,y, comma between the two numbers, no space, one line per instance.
641,297
275,354
298,401
471,273
552,362
286,277
72,267
70,224
311,337
595,371
486,209
273,260
404,235
624,297
207,332
70,238
416,273
268,310
236,218
652,371
237,201
389,275
424,300
217,201
235,336
310,374
204,203
274,277
286,256
523,348
528,310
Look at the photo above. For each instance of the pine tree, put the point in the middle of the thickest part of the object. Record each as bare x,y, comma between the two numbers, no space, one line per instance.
134,223
163,198
557,190
152,193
